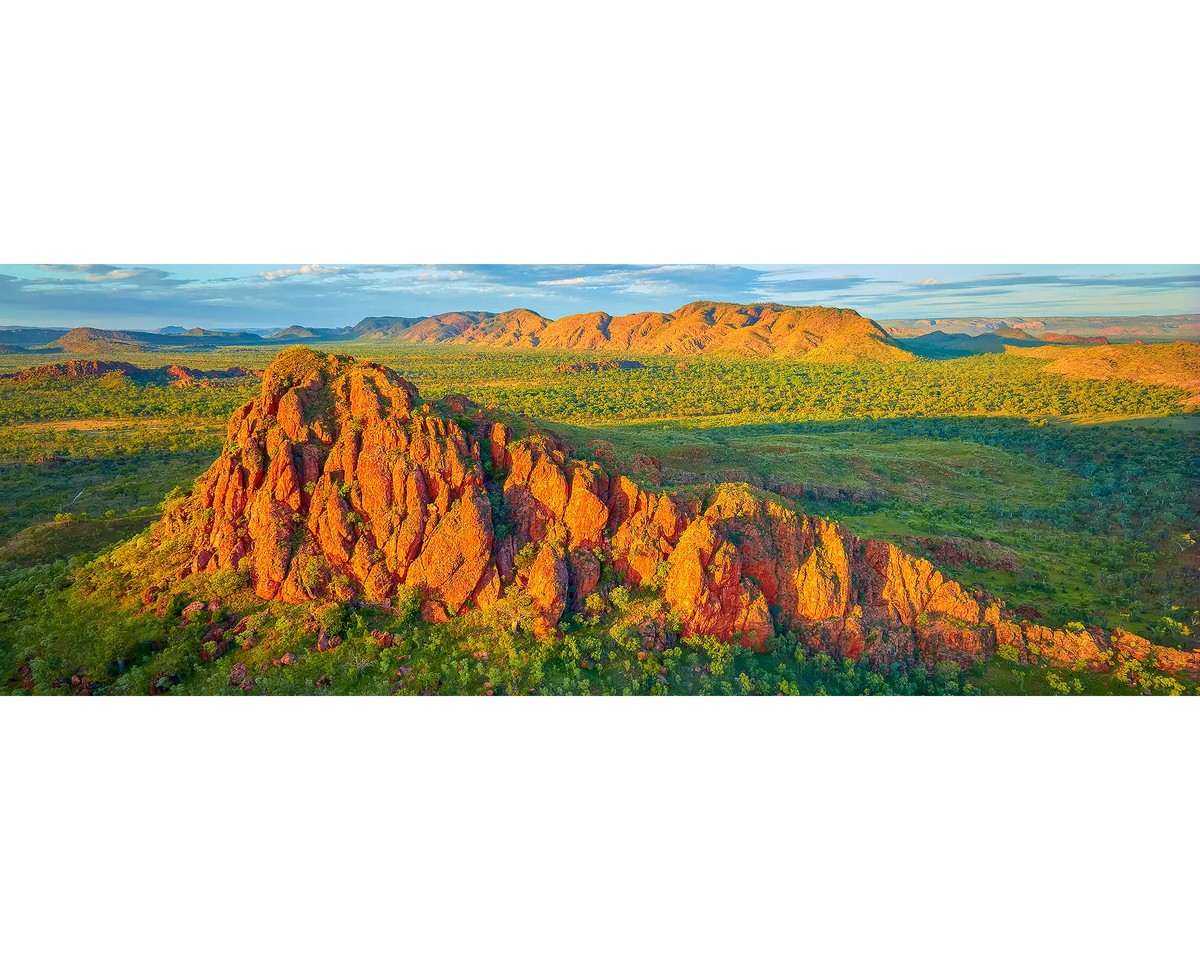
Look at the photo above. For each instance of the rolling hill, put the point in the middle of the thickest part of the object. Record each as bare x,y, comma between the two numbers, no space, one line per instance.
941,346
17,337
94,340
297,332
91,340
1164,327
1158,364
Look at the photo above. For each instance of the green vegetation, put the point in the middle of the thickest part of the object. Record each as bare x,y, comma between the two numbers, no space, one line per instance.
1074,499
115,397
76,629
1069,521
711,387
93,471
46,542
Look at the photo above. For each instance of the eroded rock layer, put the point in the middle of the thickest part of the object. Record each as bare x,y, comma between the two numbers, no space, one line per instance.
336,482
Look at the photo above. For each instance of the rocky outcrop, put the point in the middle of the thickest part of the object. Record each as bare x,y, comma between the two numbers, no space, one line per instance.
333,483
595,366
1076,647
709,590
336,482
175,374
75,369
959,551
1073,338
179,375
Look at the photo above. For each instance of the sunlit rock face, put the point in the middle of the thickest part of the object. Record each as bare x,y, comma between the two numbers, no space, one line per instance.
338,482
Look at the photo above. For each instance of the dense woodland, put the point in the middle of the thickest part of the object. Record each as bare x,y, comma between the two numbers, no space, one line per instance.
975,385
114,396
1077,522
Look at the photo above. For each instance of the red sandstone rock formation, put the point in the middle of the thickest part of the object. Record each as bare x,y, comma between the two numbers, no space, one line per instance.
75,368
595,366
333,483
182,376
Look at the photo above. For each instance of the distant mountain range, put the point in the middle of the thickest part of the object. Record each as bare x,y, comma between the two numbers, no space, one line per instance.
94,340
13,338
819,334
1178,326
297,332
940,346
815,333
91,340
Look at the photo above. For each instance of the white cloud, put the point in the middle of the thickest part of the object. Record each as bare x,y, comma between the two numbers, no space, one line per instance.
308,268
93,272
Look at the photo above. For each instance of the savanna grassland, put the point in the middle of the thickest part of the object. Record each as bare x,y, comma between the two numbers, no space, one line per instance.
1077,499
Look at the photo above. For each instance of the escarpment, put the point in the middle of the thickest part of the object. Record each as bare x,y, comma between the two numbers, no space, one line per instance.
337,481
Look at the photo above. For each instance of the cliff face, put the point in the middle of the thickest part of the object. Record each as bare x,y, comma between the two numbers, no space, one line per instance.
335,482
331,483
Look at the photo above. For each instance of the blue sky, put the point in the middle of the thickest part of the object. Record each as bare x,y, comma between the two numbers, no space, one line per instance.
265,296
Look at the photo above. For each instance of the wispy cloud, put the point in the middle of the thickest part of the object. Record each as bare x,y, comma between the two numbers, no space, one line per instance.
318,295
112,275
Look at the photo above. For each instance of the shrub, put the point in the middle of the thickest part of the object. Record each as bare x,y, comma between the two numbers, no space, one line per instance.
407,603
176,493
227,581
313,571
334,618
525,557
659,579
